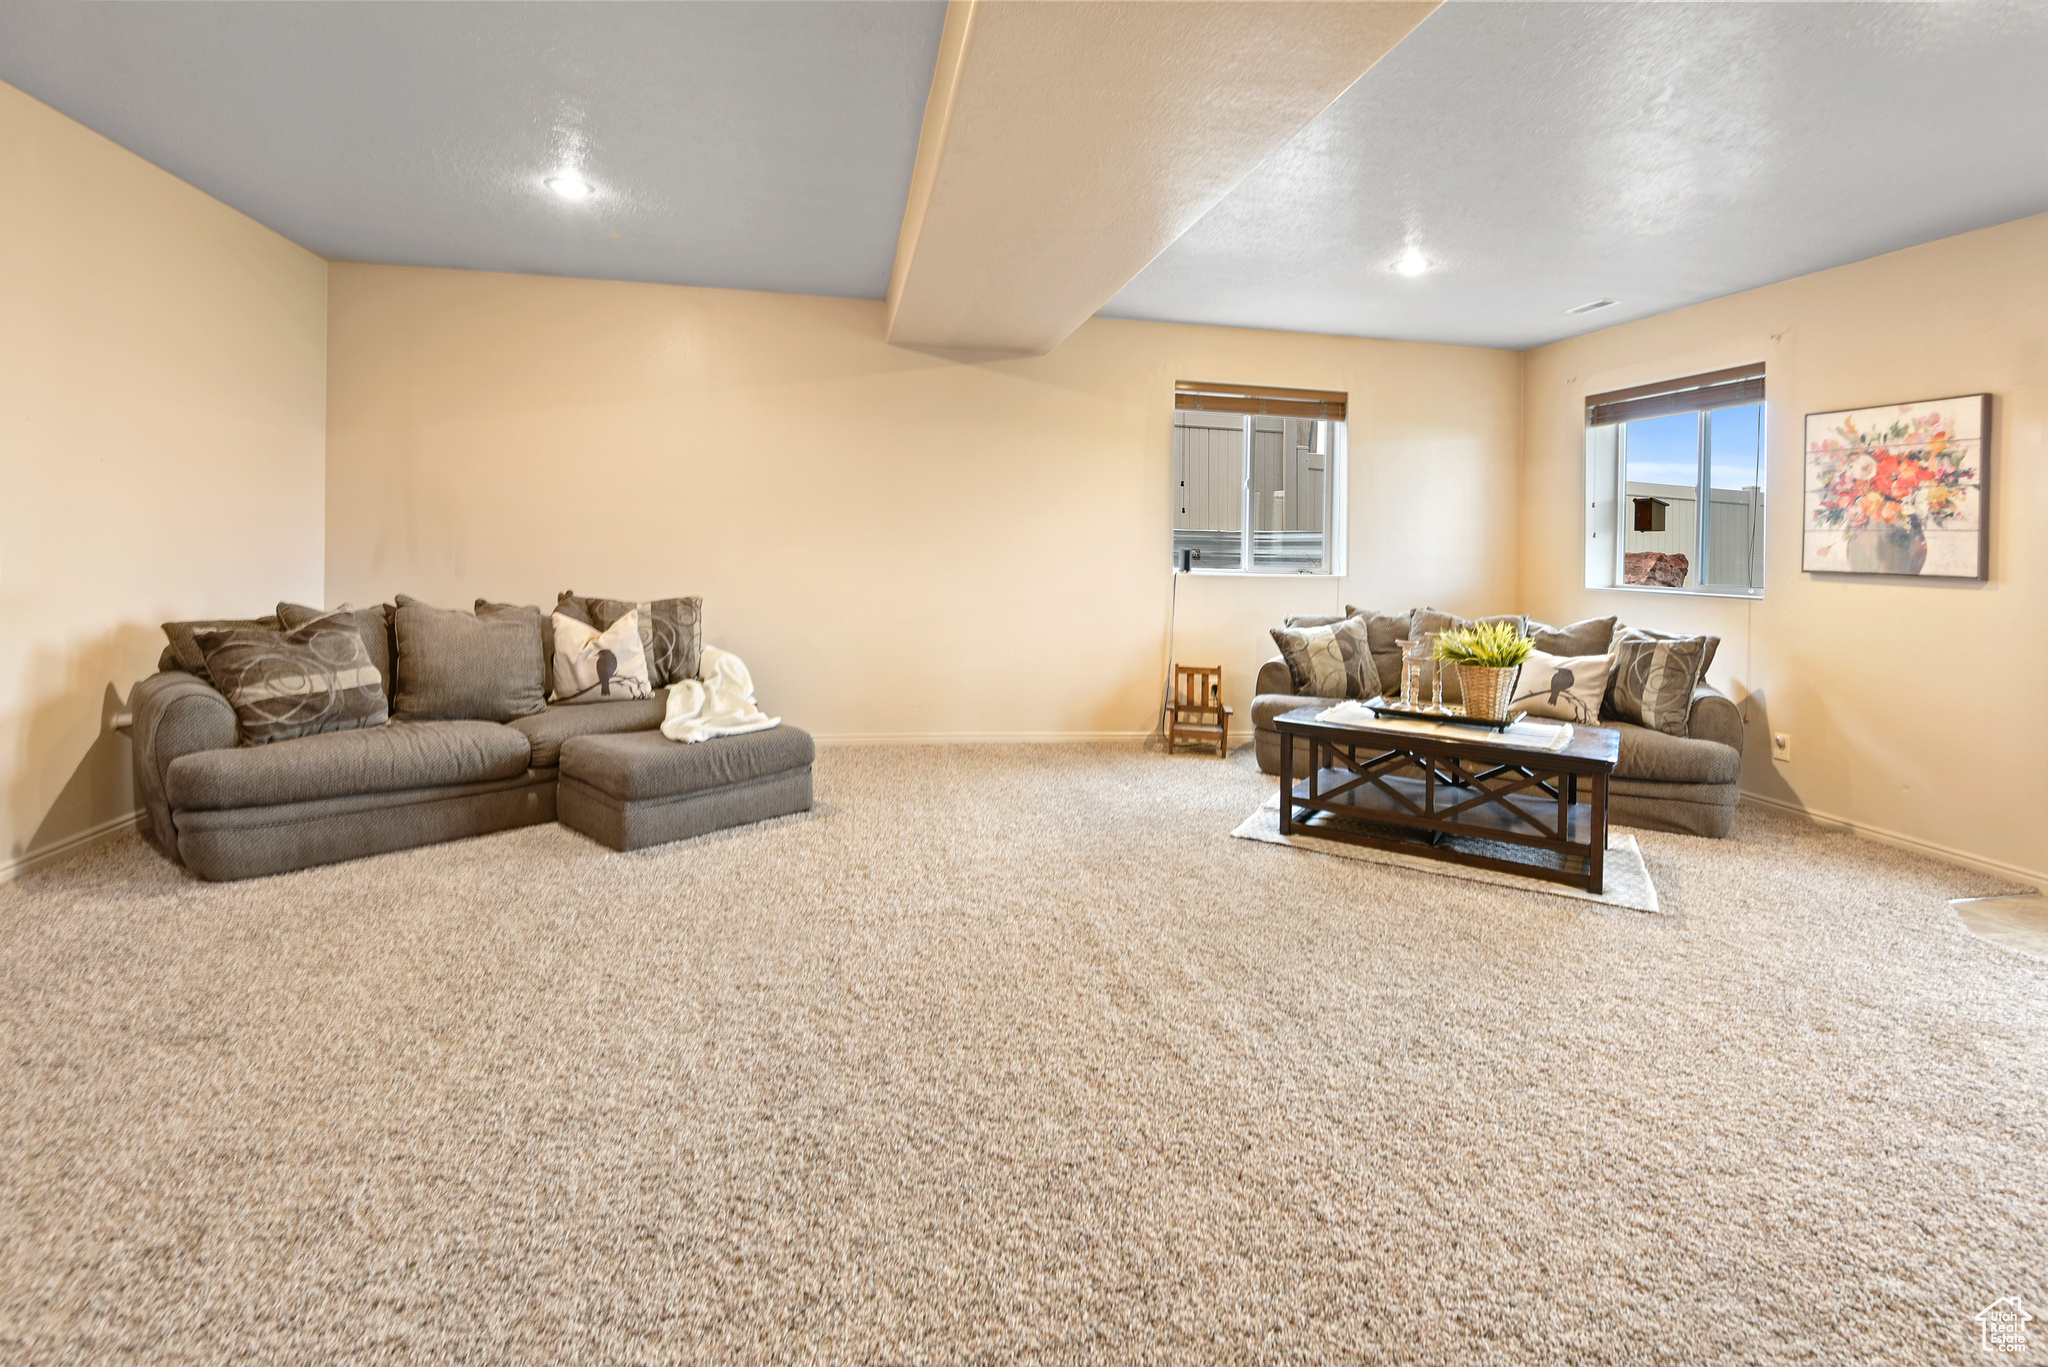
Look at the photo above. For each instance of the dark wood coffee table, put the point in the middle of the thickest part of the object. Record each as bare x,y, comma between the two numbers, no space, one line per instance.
1430,794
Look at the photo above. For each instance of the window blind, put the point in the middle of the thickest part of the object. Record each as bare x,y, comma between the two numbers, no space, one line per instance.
1202,396
1692,394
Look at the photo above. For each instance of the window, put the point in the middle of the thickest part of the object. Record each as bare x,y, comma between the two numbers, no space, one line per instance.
1655,457
1258,475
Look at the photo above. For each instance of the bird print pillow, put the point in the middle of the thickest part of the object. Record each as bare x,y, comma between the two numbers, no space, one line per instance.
1568,687
599,666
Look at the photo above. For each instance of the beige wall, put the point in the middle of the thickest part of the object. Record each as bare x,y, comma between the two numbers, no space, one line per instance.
162,410
905,544
1914,706
898,544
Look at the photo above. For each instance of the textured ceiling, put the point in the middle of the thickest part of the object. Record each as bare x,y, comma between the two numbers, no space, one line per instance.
757,146
1547,155
1540,155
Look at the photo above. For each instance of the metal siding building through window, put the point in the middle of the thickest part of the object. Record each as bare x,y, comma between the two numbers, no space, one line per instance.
1253,469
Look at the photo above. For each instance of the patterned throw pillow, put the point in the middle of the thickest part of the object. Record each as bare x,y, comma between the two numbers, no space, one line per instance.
295,683
1622,633
1329,662
184,652
599,666
1644,633
372,624
1653,680
1384,632
671,634
1568,687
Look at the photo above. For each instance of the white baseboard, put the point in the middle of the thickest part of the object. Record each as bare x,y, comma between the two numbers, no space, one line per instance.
980,737
1907,842
28,863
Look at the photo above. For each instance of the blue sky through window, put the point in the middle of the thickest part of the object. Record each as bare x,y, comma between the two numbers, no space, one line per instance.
1732,437
1665,450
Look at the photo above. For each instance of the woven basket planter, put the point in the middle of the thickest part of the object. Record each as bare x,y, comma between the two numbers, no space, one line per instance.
1487,690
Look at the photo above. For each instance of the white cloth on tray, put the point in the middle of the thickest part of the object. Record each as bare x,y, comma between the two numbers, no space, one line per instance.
718,702
1524,734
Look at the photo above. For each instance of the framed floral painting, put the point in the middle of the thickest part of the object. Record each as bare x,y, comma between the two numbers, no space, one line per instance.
1899,489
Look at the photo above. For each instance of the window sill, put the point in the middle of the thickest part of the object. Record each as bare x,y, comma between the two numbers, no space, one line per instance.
1262,574
1751,594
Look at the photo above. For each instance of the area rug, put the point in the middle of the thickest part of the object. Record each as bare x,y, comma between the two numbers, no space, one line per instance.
1625,882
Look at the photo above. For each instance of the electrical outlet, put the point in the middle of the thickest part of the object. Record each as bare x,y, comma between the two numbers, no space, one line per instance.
1781,747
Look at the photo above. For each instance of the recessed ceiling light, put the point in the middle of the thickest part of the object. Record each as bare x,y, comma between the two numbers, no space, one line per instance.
1412,262
571,187
1596,304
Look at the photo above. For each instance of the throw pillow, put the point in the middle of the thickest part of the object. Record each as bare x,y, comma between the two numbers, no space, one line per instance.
575,608
1568,687
1591,637
1329,662
671,634
1622,633
369,623
453,665
1653,680
1706,663
1437,616
599,666
544,631
185,649
1384,631
294,683
1377,681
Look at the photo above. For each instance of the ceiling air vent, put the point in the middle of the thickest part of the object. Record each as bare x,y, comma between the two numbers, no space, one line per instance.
1589,308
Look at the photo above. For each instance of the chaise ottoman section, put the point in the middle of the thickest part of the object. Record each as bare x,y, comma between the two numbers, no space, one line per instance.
639,789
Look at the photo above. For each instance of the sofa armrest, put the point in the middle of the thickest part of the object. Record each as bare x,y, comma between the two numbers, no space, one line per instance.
1275,677
1267,706
1714,716
175,714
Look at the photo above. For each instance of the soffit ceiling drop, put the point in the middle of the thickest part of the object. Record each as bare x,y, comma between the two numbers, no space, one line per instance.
1543,156
754,146
1066,145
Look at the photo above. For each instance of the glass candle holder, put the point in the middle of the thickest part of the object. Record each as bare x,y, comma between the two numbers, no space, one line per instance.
1414,658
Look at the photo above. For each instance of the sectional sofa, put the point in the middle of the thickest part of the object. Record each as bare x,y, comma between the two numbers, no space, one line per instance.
227,807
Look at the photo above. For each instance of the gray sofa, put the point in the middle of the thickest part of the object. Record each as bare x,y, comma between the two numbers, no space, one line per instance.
227,809
1685,784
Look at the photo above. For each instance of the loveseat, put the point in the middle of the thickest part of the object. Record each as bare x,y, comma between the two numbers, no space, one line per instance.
472,745
1682,783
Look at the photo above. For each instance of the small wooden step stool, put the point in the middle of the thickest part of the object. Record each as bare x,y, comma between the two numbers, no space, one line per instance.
1197,713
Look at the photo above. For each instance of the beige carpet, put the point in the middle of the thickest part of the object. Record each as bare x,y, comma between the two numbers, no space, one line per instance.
1013,1053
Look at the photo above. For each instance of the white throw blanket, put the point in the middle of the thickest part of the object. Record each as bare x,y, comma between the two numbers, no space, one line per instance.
718,702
